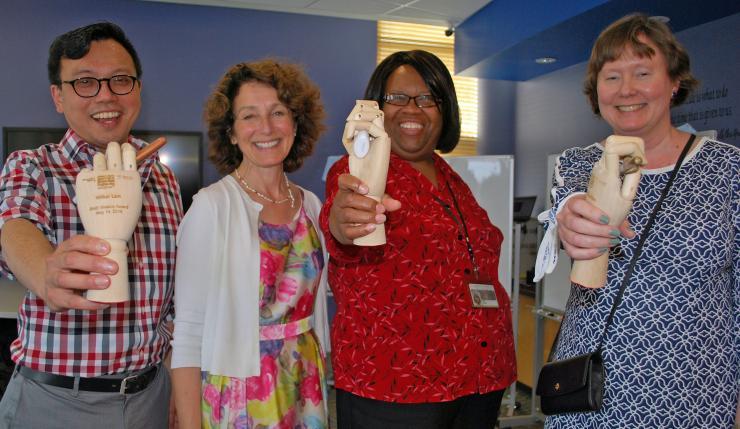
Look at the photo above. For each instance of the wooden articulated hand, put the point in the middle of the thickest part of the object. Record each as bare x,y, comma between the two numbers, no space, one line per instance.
612,188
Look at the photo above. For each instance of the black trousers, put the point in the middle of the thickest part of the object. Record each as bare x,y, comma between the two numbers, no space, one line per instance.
479,411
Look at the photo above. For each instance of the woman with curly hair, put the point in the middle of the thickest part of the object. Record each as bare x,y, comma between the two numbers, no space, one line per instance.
247,348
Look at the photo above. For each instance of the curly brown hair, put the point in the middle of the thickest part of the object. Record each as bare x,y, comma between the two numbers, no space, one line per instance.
625,32
301,96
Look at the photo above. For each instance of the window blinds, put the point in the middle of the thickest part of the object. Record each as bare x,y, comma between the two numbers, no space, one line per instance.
400,36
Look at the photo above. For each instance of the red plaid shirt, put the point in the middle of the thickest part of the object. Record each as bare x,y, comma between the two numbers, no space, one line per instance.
405,328
38,185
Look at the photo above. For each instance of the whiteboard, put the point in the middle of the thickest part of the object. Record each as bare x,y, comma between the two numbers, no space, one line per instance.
491,179
556,285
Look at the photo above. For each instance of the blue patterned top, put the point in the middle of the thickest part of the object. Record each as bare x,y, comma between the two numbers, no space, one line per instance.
672,353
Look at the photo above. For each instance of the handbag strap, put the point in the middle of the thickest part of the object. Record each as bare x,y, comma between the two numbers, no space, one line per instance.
638,249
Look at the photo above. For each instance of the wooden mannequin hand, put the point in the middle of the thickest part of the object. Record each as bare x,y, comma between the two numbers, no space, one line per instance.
605,189
613,197
369,151
365,116
353,214
368,154
109,203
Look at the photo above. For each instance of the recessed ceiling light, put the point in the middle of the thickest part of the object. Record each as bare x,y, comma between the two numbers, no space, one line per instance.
545,60
661,18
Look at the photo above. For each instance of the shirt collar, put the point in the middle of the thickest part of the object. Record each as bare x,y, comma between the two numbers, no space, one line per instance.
72,145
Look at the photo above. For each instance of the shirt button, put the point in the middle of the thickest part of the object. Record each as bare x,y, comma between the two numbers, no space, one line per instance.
467,270
483,344
459,236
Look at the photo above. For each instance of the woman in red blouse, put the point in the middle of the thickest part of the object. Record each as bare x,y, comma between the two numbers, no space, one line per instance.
411,349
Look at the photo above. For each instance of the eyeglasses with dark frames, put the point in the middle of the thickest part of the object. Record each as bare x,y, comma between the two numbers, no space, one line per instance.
421,101
88,87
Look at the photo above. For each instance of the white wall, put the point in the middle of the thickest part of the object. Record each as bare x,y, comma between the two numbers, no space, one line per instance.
552,115
496,117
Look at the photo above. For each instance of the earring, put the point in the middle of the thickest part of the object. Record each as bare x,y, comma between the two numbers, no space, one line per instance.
673,93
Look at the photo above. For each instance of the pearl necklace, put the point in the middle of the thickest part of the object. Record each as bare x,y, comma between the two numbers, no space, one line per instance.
265,197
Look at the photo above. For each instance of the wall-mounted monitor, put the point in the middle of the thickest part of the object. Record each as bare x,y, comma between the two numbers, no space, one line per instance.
182,152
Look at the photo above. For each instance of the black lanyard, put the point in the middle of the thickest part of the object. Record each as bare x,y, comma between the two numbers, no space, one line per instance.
459,223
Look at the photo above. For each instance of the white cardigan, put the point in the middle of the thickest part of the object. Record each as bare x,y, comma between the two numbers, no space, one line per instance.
217,282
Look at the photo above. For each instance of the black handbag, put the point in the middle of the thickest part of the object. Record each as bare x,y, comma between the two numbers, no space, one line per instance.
570,385
577,384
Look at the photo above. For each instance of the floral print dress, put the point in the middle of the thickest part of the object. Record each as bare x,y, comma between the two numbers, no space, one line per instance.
290,391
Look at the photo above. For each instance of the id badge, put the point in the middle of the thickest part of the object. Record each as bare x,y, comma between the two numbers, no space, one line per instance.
483,295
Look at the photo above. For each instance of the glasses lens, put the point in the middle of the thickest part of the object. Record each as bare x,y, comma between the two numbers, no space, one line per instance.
397,99
121,84
86,86
425,101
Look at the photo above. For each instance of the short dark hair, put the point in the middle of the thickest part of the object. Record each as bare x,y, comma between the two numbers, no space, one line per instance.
436,77
294,89
75,44
625,32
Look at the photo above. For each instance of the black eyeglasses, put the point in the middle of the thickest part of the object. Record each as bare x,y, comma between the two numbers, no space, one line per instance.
88,87
421,101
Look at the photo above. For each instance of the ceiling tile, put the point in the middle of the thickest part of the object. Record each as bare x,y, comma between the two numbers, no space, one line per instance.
266,3
273,5
367,9
437,12
419,14
451,9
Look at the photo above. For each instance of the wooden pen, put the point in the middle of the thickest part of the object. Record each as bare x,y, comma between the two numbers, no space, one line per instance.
152,147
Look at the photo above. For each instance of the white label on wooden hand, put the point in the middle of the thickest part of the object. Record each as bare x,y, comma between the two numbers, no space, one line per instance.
362,144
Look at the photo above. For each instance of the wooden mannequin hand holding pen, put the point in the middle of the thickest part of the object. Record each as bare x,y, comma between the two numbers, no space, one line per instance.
109,203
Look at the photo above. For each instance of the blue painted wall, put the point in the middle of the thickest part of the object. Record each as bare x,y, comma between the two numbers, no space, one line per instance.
502,39
184,51
490,33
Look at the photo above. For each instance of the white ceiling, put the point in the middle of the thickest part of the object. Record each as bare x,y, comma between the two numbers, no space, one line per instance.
436,12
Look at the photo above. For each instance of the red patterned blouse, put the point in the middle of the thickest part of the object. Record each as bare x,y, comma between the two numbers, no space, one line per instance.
405,328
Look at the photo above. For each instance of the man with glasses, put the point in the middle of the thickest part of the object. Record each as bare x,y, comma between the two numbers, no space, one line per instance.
80,363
